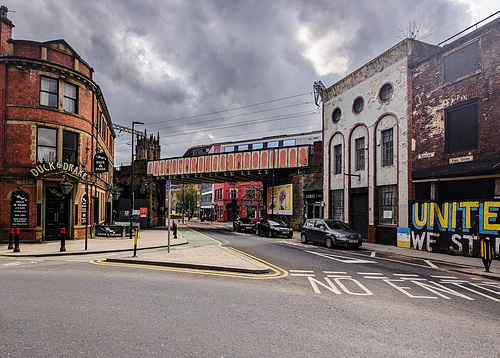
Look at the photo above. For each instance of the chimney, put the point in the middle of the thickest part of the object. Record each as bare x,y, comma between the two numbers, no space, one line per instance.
5,30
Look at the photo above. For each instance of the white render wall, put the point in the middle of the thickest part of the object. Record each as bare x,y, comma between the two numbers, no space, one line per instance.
375,117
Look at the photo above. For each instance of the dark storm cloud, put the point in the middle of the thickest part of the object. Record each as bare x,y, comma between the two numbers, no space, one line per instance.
158,60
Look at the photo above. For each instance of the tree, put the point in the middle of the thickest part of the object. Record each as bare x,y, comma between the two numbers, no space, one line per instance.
187,196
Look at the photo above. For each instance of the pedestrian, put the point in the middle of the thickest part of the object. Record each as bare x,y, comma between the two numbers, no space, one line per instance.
174,227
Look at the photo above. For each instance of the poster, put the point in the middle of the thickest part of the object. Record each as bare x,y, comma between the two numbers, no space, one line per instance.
282,200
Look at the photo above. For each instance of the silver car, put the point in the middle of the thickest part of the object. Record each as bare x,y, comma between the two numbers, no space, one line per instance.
330,233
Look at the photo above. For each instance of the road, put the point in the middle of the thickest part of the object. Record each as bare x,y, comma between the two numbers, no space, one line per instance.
341,303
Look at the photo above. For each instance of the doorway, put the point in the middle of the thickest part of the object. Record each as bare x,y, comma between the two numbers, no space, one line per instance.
359,213
56,213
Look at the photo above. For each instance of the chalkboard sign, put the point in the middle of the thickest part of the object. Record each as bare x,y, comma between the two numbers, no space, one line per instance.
84,209
20,209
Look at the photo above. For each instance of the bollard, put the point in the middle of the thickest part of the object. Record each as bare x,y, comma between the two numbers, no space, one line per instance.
63,240
11,239
135,243
486,253
17,233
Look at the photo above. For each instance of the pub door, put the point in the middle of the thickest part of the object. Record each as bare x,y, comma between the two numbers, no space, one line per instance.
56,213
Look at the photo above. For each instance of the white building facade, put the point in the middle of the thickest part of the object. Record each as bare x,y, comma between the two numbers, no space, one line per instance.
365,131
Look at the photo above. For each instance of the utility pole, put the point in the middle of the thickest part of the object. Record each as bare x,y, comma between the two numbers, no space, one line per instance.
132,186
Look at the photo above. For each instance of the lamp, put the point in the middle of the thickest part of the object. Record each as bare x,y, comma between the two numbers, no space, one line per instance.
65,185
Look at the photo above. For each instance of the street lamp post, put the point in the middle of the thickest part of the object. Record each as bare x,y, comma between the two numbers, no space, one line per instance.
132,184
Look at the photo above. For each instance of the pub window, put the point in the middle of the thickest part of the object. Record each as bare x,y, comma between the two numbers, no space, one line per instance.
337,208
233,193
70,96
388,213
251,193
360,153
46,145
48,92
461,127
387,148
337,155
462,63
69,147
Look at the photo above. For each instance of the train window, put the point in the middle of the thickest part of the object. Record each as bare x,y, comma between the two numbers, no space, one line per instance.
243,147
229,149
288,142
274,144
258,146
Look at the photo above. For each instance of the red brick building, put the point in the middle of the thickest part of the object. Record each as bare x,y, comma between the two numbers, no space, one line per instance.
455,151
243,199
56,141
455,147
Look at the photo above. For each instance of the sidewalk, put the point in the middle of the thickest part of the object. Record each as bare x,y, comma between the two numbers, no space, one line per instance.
192,249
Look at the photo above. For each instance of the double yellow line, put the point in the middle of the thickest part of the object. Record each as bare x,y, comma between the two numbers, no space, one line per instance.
276,272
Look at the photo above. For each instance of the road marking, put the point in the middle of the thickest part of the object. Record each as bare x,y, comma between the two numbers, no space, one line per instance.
343,259
372,254
304,273
430,264
370,273
445,277
335,272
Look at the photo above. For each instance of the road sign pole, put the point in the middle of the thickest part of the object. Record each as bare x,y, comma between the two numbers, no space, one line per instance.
169,189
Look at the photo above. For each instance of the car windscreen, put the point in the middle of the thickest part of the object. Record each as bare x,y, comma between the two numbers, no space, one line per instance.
276,223
337,225
245,221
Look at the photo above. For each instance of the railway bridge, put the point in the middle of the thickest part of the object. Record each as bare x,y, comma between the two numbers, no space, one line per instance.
298,165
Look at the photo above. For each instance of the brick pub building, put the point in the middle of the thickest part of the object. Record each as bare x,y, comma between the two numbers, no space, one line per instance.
56,141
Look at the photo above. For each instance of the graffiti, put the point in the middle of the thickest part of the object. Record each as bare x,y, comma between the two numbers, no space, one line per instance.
456,226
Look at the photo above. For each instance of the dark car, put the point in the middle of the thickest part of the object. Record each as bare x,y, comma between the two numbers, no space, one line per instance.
330,233
274,227
243,224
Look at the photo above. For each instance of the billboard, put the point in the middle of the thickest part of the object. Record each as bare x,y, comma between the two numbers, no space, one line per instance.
454,226
279,200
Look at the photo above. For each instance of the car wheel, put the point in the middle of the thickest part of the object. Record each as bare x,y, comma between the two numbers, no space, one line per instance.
303,239
290,235
329,242
257,232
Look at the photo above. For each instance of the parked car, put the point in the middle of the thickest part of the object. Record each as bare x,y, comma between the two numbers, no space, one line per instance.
330,233
274,227
243,224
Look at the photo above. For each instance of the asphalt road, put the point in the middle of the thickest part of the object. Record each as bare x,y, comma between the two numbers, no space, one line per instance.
340,303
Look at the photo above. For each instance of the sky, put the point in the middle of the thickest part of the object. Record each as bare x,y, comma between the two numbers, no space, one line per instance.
211,71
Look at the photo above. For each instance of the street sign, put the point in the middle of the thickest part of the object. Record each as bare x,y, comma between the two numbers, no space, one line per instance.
167,186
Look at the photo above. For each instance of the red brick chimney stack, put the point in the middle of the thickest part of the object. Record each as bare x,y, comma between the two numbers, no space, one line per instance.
5,30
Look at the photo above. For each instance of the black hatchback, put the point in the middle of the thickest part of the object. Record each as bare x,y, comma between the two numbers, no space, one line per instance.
274,227
243,224
330,233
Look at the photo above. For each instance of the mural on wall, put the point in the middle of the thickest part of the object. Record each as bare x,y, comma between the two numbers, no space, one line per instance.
281,203
454,226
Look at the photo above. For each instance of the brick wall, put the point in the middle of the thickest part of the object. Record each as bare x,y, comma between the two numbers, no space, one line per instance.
431,97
